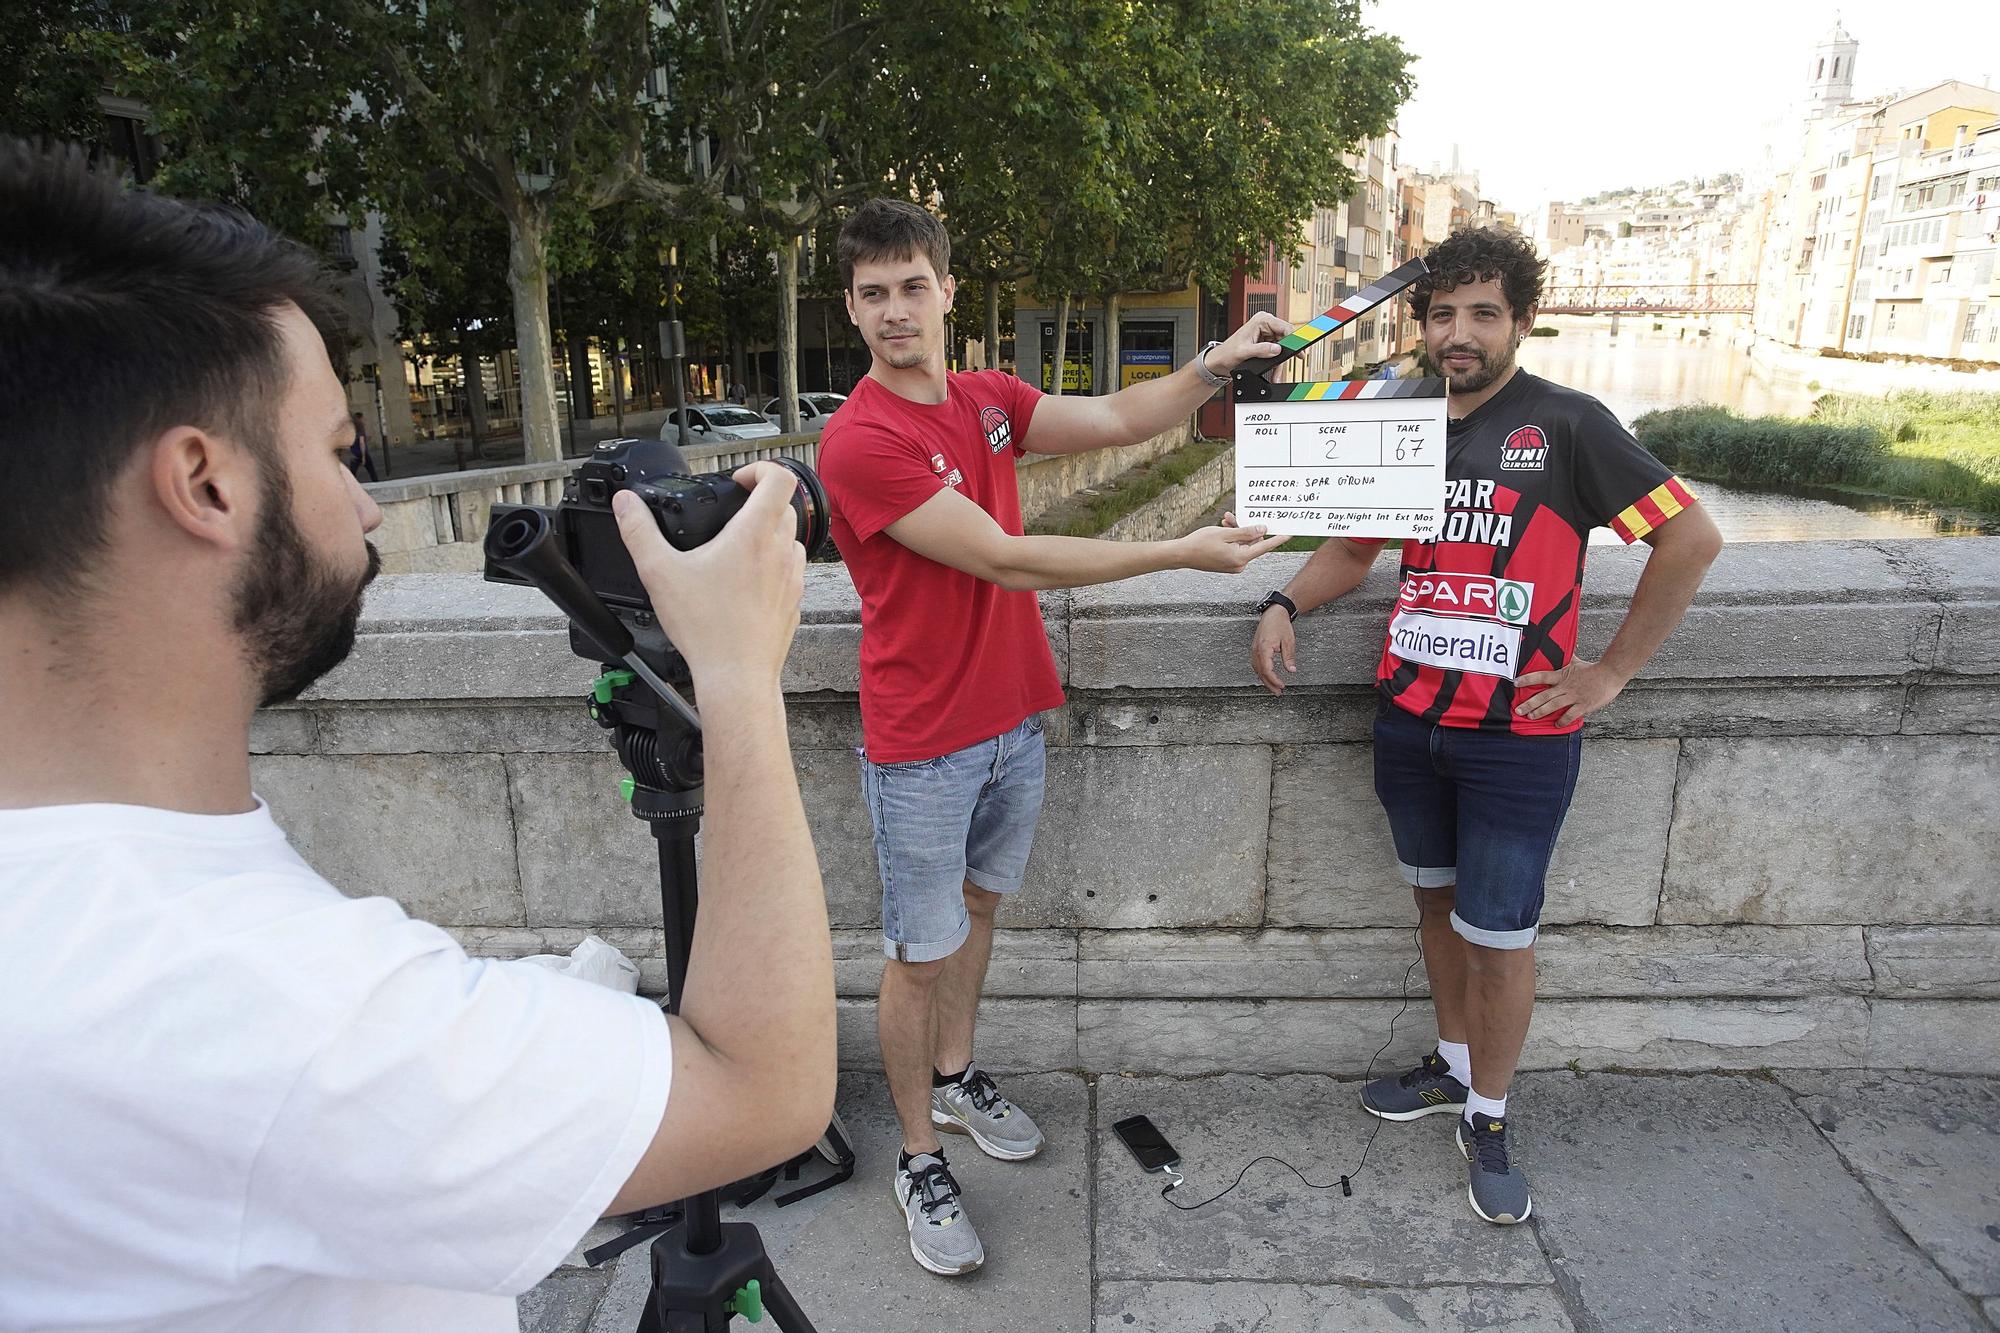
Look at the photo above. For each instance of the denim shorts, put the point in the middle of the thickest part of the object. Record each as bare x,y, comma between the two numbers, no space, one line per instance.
1479,809
939,823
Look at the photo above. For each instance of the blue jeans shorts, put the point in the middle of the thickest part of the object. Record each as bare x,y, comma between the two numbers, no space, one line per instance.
939,823
1478,809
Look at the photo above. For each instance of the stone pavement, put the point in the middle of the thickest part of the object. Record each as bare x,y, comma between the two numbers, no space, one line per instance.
1799,1200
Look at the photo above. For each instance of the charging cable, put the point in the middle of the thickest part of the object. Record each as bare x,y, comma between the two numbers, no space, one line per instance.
1346,1182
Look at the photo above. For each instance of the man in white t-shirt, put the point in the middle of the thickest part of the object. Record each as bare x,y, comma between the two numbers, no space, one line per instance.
230,1097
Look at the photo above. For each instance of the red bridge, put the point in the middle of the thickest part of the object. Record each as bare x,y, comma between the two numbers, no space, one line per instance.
1685,298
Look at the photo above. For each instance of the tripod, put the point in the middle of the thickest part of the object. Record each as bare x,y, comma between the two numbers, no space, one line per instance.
705,1272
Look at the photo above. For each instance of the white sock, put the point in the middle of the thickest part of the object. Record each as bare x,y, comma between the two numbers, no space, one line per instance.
1476,1105
1459,1056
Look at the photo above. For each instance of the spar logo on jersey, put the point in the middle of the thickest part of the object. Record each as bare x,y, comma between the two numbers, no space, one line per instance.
938,465
1481,596
1526,450
998,430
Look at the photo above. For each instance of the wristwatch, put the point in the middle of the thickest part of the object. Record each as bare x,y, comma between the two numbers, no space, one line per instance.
1277,599
1208,377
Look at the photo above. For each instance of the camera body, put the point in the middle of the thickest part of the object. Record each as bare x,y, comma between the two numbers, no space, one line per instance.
690,508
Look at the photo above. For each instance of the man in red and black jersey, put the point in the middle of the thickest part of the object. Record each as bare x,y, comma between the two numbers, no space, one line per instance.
1478,734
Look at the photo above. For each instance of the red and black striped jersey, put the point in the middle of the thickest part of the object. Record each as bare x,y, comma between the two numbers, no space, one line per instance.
1528,475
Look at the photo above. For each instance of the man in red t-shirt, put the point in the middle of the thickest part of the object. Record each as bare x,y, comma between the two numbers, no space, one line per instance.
955,665
1478,730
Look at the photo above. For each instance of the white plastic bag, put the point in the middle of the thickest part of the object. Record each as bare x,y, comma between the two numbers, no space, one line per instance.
593,960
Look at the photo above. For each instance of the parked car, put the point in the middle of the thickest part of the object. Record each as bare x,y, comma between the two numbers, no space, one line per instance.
814,409
709,423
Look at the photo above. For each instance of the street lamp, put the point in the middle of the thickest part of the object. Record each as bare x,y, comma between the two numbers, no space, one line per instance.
673,346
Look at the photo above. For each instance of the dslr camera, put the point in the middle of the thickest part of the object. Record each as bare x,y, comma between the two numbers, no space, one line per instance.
574,549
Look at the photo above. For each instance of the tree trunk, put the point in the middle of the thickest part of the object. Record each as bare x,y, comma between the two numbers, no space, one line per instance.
1062,344
788,336
528,281
583,404
617,363
475,393
993,323
1114,362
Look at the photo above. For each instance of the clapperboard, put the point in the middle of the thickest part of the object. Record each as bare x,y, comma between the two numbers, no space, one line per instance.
1340,458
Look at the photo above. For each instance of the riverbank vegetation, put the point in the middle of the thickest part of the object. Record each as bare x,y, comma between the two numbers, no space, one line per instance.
1940,447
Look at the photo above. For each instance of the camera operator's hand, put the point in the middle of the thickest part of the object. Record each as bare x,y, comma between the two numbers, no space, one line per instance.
731,605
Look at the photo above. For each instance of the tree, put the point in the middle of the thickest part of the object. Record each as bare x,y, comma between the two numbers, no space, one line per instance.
543,120
53,63
780,109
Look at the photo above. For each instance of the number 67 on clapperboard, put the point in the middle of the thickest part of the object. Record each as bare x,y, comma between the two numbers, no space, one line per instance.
1340,458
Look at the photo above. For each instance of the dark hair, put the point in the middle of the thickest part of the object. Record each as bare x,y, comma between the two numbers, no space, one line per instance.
1482,254
123,314
891,229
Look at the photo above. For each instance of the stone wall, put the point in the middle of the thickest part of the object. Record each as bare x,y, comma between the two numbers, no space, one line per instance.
1047,478
1781,852
1175,511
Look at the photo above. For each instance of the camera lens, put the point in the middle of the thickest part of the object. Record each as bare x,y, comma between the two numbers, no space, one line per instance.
809,503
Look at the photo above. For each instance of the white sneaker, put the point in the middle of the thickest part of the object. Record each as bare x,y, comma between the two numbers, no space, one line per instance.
941,1235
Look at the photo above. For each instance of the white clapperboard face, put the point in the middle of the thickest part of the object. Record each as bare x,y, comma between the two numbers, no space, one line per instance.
1355,458
1341,458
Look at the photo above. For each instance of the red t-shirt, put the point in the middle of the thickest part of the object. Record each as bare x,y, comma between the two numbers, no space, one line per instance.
1528,475
947,660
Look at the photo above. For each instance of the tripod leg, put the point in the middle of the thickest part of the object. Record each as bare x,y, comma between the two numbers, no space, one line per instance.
785,1312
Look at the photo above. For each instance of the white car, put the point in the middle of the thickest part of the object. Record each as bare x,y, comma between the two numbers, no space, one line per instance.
814,409
711,423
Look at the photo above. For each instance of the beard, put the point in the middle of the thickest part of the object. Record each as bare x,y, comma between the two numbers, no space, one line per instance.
297,615
1490,368
909,358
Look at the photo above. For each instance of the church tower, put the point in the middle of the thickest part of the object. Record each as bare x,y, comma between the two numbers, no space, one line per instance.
1832,72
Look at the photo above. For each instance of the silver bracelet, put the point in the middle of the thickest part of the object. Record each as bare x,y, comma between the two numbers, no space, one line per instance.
1208,377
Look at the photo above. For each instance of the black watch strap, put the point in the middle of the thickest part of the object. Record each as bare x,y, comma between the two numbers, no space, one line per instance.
1278,599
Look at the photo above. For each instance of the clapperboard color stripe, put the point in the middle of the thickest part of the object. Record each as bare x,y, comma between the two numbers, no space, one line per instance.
1376,292
1348,390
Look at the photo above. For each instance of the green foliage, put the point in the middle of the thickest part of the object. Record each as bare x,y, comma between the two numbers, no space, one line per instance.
53,61
1089,513
1544,331
1714,442
1940,447
1096,146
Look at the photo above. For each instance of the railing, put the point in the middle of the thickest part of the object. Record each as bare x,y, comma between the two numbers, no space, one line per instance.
435,524
1705,298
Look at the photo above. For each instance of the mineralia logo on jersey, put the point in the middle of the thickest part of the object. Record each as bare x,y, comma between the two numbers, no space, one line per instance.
1526,450
999,431
1461,622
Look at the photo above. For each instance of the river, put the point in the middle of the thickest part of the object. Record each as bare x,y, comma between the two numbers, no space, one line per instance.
1640,369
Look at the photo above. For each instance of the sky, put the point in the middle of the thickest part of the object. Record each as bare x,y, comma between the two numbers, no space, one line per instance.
1561,99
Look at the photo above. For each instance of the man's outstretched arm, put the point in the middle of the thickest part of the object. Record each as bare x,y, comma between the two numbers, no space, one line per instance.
753,1044
952,530
1073,425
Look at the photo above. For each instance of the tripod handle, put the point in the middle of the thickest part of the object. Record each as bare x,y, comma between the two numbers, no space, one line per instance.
523,543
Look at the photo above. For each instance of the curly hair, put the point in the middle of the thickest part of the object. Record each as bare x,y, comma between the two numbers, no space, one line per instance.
1480,254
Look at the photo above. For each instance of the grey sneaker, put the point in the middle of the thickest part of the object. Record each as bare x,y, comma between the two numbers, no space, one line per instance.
973,1105
1497,1189
941,1235
1425,1090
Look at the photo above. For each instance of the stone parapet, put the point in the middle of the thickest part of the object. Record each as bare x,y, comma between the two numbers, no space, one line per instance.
1780,853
